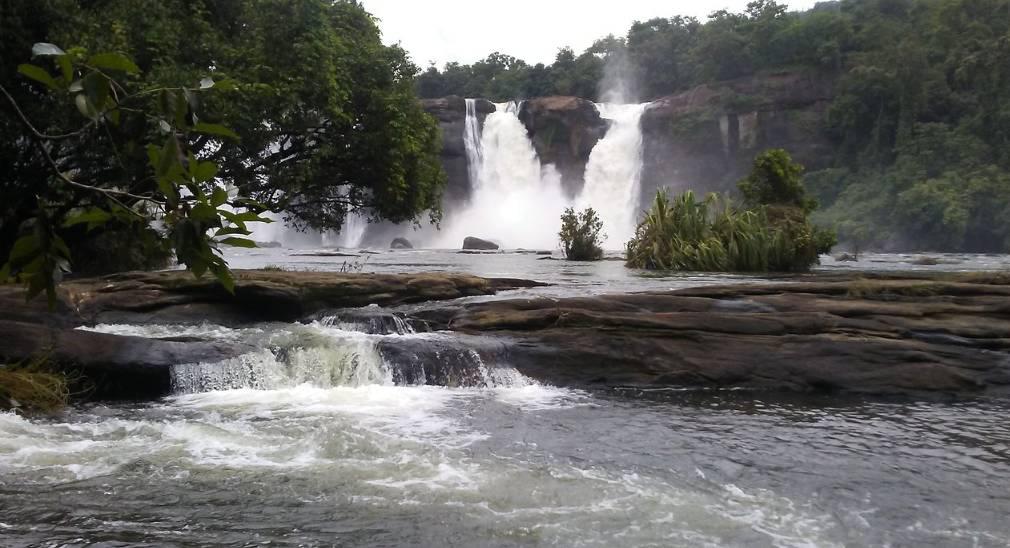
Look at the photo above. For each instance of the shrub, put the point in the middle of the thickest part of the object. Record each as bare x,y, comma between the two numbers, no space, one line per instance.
772,233
580,235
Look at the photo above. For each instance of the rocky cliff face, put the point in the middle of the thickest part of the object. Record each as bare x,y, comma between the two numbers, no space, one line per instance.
705,138
451,115
702,139
564,131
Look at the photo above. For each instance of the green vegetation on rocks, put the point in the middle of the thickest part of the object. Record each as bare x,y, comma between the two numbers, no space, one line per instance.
580,235
31,387
770,233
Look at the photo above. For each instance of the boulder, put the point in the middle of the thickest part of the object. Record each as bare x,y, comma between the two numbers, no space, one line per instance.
401,243
474,243
846,258
113,366
564,131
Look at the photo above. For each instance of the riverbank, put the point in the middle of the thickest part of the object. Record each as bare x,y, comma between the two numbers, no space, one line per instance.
877,334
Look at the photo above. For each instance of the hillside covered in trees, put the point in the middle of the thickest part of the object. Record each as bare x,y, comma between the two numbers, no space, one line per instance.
919,117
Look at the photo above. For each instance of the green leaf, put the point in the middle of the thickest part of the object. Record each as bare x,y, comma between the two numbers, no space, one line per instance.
95,217
206,213
220,195
66,68
96,86
59,245
238,242
206,83
215,129
38,74
114,61
229,230
42,49
245,217
205,171
85,106
25,247
224,276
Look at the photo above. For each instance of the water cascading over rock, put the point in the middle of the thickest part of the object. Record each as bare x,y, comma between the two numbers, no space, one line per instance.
349,350
613,173
515,200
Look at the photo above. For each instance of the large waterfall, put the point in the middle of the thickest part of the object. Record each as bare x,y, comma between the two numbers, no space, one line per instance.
613,173
514,199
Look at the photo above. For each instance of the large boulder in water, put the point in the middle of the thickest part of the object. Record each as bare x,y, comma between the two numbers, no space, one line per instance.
401,243
564,131
472,242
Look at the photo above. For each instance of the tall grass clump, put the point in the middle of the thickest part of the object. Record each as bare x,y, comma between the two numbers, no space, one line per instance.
770,232
32,387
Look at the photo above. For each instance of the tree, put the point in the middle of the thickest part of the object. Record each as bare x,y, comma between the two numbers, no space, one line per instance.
580,235
326,125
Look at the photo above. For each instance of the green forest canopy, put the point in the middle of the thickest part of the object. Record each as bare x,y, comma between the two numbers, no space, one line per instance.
920,117
326,116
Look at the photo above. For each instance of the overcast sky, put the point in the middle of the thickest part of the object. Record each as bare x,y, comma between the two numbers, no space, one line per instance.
533,30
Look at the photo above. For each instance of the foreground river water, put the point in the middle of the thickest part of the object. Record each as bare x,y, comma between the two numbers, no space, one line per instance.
311,442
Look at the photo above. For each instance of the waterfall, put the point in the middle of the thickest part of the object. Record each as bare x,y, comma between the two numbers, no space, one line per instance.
471,140
613,174
514,200
332,352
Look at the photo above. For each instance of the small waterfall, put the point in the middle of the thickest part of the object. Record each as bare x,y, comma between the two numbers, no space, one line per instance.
471,139
515,200
613,174
329,353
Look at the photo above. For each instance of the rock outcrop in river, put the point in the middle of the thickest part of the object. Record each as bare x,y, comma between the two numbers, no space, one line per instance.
134,367
881,336
878,336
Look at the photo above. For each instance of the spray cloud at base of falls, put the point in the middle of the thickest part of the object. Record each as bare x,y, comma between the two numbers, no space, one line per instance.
518,202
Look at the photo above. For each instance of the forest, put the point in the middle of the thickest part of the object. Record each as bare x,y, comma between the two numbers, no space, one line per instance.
919,118
134,131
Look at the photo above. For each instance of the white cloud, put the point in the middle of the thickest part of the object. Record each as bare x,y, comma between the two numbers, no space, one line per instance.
533,30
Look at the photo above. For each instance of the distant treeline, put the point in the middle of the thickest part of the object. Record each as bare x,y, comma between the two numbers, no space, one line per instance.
920,117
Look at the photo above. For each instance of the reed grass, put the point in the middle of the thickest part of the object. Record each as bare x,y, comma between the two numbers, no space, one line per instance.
711,235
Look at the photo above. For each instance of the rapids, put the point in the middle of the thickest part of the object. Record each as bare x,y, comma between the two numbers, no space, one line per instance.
359,428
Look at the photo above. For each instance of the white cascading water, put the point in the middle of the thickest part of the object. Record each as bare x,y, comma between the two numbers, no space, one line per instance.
613,174
514,200
471,140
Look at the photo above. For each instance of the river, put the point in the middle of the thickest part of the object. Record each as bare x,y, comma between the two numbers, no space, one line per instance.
311,442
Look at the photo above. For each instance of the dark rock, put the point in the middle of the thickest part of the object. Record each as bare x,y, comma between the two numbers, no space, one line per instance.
116,367
401,243
706,138
451,115
474,243
564,131
260,295
845,258
881,336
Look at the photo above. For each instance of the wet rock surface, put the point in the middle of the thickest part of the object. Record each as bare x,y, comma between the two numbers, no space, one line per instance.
124,367
878,336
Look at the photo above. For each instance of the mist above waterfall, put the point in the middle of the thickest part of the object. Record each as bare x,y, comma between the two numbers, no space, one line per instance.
618,84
